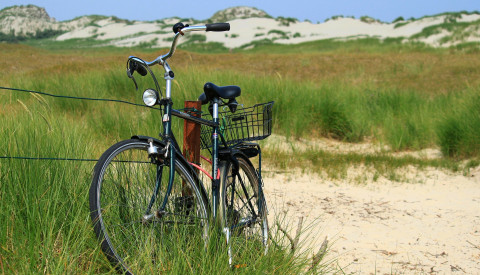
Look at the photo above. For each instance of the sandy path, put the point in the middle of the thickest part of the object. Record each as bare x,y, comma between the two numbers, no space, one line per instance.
386,227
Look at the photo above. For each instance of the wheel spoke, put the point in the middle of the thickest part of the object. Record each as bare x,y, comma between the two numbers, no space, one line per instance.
247,223
122,188
249,203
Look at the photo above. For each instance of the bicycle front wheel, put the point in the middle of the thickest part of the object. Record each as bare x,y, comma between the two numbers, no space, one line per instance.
127,193
243,209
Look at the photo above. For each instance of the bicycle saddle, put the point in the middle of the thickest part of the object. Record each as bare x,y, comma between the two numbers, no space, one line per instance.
211,91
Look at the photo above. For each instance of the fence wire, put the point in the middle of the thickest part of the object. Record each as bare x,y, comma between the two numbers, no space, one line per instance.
76,97
65,97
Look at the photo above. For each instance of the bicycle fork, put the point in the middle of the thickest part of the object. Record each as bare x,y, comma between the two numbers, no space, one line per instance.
154,155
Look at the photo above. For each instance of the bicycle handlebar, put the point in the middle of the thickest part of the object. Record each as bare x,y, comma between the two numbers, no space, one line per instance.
136,64
180,30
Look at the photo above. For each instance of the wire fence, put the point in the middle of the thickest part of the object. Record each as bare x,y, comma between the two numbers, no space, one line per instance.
77,98
65,97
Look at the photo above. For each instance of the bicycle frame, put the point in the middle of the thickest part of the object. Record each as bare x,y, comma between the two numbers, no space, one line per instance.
131,235
168,137
171,141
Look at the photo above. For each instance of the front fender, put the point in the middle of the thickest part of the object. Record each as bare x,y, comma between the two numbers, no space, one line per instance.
146,138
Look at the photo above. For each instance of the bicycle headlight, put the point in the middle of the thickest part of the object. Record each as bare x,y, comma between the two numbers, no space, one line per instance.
150,97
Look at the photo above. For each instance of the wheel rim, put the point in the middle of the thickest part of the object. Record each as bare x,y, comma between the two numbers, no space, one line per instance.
126,186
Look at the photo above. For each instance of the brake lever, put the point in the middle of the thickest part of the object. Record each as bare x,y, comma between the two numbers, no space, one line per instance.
137,66
130,75
130,72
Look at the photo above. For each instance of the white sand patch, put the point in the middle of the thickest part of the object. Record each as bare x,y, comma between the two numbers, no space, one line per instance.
157,40
104,22
386,227
435,40
416,221
245,29
473,38
108,29
469,18
86,32
252,29
117,30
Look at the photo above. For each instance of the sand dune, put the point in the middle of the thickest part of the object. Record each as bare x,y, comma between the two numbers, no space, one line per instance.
247,25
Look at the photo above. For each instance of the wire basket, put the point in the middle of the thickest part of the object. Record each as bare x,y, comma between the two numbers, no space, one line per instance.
246,124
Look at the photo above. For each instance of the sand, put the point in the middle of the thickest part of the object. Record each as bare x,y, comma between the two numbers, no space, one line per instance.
245,31
428,224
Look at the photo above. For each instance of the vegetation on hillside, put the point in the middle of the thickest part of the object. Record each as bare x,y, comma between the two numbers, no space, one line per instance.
240,12
45,34
453,31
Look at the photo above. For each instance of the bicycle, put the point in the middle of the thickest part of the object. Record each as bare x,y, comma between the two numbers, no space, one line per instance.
144,192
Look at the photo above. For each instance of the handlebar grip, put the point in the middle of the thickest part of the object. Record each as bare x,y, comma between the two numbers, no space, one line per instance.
217,27
141,70
136,66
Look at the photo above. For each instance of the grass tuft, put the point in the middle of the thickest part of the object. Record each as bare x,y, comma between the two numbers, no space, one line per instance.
459,132
333,121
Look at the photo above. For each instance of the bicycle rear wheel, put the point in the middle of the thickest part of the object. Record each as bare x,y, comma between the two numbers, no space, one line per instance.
133,239
243,209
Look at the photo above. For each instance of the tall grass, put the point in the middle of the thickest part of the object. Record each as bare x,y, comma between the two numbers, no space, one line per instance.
46,226
403,119
392,98
44,206
459,130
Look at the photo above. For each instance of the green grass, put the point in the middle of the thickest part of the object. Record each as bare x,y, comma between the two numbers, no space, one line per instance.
331,45
45,214
260,46
336,165
46,226
45,217
401,119
459,130
78,43
44,203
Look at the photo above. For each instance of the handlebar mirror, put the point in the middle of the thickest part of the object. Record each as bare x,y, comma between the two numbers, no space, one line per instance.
178,27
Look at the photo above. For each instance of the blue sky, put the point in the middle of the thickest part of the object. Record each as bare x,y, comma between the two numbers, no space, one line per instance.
314,10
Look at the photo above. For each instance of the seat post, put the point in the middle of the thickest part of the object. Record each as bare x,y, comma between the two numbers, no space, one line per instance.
215,181
215,110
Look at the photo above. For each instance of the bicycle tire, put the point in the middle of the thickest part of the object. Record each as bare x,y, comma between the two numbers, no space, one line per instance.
122,186
233,213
